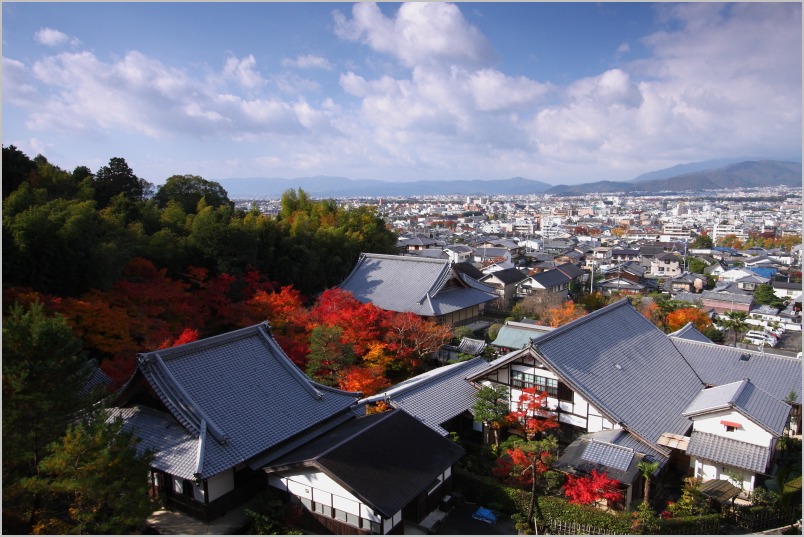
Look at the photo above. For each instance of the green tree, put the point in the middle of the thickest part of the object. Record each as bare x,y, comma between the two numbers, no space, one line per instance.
17,168
736,322
188,190
94,481
329,356
43,374
118,178
764,294
491,408
702,241
696,265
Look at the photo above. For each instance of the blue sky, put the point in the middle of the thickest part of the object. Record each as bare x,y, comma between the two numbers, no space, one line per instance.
556,92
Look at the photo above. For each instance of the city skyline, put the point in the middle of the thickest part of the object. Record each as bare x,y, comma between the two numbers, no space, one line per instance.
554,92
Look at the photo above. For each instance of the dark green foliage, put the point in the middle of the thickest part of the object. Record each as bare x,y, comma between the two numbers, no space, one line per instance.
118,178
93,482
702,241
764,294
188,190
17,168
328,357
42,377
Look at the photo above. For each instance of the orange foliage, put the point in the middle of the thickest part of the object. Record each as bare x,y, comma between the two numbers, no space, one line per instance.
366,380
680,317
562,314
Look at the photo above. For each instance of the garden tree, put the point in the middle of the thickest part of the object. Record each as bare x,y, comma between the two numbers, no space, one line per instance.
293,201
531,413
692,501
593,301
527,465
592,488
533,306
365,380
93,481
412,338
491,408
736,321
43,374
361,324
187,336
647,469
118,178
696,265
702,241
328,357
561,315
17,169
187,191
680,317
764,294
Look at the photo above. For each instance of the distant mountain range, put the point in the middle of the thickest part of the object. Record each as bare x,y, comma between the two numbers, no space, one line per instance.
709,175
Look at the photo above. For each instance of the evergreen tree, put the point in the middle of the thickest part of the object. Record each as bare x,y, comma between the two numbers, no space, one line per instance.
43,375
93,482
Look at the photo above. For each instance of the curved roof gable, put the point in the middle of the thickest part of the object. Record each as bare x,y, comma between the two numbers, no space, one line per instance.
239,391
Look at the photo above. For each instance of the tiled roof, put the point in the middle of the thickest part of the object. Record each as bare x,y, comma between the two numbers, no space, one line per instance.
625,367
506,276
613,451
689,332
233,392
372,457
571,270
551,278
411,284
518,335
471,346
743,396
736,298
728,451
436,396
719,364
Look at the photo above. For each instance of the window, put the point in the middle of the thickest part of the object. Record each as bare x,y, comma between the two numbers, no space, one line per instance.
520,379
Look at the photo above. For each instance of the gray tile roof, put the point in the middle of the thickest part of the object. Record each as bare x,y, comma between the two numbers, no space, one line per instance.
386,460
728,451
625,367
471,346
411,284
737,298
718,365
551,278
688,331
744,397
506,276
238,394
595,452
436,396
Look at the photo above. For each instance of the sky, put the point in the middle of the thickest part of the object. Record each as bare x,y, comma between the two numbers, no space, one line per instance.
563,93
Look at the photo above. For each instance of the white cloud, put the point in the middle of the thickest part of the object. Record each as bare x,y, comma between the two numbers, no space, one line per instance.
421,33
53,38
242,71
308,61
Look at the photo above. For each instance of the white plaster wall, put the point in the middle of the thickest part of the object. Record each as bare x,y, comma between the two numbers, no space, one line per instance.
749,431
220,484
708,470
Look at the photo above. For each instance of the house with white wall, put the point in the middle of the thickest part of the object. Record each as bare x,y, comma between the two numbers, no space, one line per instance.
735,428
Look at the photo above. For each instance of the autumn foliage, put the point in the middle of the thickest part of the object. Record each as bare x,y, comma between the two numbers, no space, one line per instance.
592,488
531,413
562,314
680,317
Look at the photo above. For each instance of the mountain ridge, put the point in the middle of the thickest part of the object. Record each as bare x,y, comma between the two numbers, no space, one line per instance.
707,175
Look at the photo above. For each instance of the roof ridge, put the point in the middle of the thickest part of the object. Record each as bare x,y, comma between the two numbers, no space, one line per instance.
418,383
586,318
767,354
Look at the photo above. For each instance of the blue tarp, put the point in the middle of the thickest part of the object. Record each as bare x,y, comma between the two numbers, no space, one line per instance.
486,515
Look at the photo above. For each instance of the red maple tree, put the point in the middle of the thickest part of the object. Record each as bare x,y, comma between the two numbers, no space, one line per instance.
592,488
